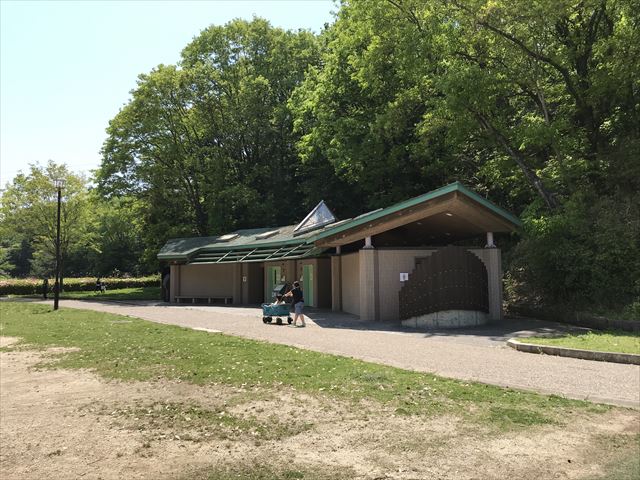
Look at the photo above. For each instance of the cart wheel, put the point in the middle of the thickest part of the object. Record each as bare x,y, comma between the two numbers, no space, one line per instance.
265,320
289,320
279,321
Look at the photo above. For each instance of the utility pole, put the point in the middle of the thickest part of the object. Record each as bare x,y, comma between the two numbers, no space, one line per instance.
59,184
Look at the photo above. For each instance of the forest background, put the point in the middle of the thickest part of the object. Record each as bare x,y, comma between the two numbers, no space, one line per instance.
534,104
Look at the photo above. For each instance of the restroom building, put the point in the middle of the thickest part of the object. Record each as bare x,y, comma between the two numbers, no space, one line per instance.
428,261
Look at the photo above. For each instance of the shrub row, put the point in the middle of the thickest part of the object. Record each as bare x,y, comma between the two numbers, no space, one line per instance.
33,286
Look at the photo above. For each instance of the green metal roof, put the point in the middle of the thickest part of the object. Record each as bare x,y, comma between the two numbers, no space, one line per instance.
452,187
257,254
246,247
186,248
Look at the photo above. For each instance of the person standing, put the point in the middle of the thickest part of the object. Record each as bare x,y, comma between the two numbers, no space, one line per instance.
298,303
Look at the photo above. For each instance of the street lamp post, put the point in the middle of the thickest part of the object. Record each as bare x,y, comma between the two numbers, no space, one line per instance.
59,184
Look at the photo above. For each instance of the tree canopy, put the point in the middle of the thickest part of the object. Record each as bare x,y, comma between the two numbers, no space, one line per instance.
28,217
535,104
208,145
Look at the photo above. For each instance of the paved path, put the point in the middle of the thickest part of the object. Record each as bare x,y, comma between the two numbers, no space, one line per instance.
475,354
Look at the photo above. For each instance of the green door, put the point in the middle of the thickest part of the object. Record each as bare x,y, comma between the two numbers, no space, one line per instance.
273,279
307,285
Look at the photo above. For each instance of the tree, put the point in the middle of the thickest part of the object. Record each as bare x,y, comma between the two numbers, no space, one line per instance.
533,103
360,113
28,214
118,238
207,146
543,82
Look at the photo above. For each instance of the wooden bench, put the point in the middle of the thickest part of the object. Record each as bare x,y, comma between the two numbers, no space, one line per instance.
193,298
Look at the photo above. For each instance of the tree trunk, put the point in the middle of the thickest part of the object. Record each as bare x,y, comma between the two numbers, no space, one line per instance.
547,195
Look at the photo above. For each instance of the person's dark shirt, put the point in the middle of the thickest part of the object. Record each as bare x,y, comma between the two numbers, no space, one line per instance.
297,295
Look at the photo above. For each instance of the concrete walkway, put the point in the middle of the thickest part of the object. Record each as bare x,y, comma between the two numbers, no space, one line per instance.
473,354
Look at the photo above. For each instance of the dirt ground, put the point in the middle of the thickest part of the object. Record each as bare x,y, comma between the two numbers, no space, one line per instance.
63,424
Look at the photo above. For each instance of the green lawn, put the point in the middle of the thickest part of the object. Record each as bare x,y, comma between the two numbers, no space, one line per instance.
135,293
621,342
138,293
132,349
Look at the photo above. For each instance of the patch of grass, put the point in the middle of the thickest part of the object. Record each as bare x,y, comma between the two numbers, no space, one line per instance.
139,293
190,422
133,293
506,418
265,471
611,341
624,458
140,350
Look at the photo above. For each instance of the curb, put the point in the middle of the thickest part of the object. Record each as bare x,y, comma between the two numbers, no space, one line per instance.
614,357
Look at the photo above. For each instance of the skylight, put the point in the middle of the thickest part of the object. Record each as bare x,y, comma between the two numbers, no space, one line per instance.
228,237
264,235
317,218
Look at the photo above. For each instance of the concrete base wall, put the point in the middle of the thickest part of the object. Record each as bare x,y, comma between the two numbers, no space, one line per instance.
448,319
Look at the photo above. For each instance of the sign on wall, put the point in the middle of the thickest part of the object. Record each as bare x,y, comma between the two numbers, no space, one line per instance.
404,276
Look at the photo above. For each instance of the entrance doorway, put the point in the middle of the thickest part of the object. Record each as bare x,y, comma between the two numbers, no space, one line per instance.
274,274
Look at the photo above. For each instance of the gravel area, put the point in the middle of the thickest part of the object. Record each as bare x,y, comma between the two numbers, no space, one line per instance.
474,354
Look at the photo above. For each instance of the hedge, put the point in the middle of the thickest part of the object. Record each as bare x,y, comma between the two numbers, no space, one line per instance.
33,286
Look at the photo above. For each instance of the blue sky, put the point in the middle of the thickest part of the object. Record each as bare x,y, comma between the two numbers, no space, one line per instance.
66,68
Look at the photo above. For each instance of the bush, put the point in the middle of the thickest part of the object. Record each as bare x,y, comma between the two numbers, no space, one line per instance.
33,286
585,257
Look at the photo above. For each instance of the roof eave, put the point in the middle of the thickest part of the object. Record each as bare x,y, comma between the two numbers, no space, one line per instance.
447,189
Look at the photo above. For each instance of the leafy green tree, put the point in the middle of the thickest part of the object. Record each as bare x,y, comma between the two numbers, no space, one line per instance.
521,99
586,255
360,113
118,238
28,212
534,103
5,264
542,83
207,146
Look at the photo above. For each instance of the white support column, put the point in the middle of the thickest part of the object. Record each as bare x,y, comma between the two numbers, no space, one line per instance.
338,250
367,243
490,243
